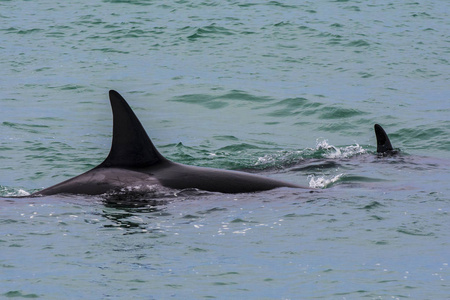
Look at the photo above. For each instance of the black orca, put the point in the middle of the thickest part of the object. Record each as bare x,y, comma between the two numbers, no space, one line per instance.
384,146
134,163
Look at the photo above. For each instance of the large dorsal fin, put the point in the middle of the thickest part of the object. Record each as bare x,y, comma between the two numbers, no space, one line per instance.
131,147
383,142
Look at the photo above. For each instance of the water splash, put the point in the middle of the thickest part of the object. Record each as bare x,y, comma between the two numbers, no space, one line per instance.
323,150
334,152
12,192
321,182
274,159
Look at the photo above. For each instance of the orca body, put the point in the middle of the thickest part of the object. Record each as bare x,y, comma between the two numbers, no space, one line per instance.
133,162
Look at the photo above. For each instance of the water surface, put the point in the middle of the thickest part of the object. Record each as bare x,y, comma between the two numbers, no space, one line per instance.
279,88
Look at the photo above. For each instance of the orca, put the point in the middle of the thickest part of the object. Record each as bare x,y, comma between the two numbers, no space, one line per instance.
384,146
134,163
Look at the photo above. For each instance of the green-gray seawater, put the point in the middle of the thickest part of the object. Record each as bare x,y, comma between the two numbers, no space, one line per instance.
285,89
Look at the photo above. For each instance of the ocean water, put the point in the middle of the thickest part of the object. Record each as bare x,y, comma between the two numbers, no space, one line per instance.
286,89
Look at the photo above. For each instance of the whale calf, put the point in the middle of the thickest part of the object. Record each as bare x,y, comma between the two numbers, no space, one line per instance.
133,161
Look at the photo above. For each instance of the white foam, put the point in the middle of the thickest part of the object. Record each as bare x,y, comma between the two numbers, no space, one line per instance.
284,156
266,159
22,193
339,152
321,182
11,192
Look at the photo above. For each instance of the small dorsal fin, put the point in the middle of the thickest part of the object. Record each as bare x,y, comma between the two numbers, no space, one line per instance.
131,147
383,142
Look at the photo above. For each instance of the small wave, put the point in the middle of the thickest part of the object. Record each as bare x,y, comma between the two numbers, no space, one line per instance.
24,31
233,148
219,101
358,43
31,128
12,192
279,4
15,294
273,160
335,112
321,182
372,205
322,150
334,152
132,2
209,31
